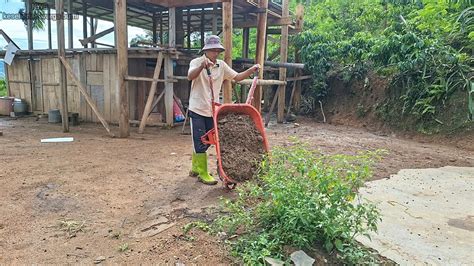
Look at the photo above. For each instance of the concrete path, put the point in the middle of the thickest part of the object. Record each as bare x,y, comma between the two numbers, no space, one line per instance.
428,216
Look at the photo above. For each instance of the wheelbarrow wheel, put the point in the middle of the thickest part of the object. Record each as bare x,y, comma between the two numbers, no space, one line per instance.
227,184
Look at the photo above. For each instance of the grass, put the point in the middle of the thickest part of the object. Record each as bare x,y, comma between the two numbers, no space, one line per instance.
71,227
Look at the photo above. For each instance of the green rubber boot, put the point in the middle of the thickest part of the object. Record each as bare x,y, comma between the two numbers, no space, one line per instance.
201,167
194,169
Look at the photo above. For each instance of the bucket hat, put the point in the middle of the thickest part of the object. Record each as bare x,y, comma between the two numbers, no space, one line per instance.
213,42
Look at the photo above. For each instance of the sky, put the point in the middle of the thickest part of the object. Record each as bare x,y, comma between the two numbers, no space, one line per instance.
17,30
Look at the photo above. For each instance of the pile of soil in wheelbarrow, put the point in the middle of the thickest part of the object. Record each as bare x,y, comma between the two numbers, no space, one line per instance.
241,146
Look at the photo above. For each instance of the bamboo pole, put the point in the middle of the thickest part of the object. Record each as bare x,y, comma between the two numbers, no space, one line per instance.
227,28
87,97
62,70
151,95
122,65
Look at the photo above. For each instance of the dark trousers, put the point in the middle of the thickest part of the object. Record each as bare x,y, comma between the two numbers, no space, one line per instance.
200,125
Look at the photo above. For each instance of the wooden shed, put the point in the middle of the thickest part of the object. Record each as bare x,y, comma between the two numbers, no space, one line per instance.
122,84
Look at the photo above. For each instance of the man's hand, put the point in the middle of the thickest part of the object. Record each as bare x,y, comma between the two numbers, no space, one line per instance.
247,73
207,63
255,67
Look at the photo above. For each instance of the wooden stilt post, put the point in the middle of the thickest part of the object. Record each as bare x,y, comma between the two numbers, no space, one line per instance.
155,37
214,18
29,26
283,59
227,28
202,27
169,67
298,72
62,69
188,26
162,38
151,94
50,40
122,65
245,54
84,22
92,32
70,32
260,56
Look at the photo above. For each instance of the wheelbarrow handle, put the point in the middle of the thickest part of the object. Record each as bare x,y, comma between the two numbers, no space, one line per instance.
252,90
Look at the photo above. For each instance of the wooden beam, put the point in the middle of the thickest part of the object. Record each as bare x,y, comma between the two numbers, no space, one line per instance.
270,63
169,90
298,78
84,21
283,59
245,54
86,95
62,70
122,65
272,21
227,28
151,94
128,78
154,26
92,30
29,25
96,36
214,18
70,31
50,40
203,16
260,54
299,17
182,3
262,82
188,26
297,86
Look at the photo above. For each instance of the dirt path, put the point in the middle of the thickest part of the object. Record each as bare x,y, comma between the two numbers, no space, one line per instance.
136,192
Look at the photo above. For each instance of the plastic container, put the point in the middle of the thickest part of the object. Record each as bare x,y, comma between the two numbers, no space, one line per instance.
6,105
20,107
54,116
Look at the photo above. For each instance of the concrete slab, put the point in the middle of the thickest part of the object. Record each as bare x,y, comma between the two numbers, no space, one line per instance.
428,216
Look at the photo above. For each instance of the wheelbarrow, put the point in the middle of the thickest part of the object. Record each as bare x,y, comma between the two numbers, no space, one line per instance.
219,110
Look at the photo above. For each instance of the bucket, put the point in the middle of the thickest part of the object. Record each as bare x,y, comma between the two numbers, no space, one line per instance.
54,116
6,105
20,107
73,119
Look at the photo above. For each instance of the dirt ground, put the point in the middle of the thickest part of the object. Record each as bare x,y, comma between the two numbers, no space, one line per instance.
132,196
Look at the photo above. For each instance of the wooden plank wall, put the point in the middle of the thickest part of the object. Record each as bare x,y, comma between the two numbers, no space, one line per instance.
98,72
19,80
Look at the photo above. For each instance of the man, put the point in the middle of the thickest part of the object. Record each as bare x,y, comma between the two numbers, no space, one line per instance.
200,108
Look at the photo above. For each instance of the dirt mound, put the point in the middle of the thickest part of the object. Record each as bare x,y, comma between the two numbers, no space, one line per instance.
355,103
241,146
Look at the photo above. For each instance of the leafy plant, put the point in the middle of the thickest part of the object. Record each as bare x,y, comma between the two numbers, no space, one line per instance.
3,88
302,198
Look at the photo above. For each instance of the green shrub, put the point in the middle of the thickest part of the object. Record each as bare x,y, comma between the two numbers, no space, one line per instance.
3,88
301,199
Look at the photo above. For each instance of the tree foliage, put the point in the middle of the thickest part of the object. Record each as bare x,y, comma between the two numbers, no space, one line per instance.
424,46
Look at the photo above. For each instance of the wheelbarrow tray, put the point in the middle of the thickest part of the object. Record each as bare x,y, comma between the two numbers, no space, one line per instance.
212,137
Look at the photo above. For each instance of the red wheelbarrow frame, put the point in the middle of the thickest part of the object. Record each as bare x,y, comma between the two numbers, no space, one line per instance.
218,110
